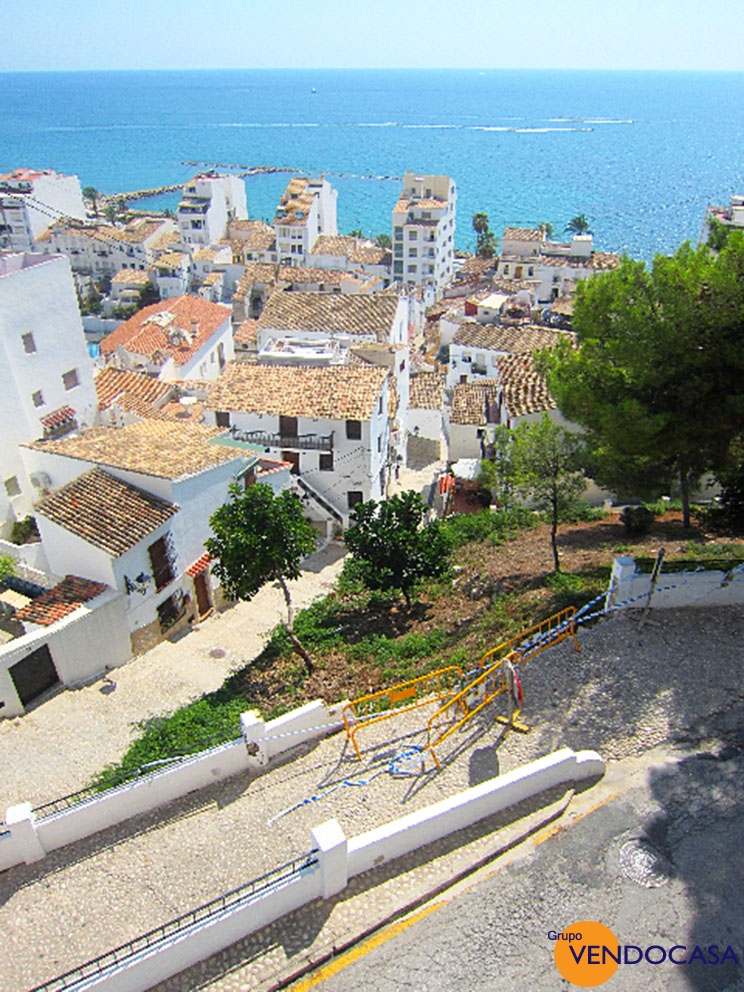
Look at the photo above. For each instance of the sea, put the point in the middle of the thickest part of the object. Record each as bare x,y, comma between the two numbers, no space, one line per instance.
640,153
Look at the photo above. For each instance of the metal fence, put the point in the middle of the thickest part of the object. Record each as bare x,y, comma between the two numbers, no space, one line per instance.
231,900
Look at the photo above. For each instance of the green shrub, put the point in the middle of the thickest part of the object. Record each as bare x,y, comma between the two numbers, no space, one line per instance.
637,520
24,531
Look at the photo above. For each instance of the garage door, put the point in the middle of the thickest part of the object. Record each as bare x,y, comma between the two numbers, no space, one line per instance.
34,674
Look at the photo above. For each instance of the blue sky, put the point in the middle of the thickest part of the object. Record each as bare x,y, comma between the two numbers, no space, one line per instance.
193,34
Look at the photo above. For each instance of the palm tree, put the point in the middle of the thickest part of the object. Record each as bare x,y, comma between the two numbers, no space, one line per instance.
578,225
480,223
547,228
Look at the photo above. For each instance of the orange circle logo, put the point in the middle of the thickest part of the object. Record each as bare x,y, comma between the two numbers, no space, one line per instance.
587,953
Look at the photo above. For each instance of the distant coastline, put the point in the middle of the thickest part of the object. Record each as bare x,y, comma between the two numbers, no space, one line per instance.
642,153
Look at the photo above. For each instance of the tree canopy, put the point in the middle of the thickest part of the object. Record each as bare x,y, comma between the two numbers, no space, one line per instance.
657,379
578,225
392,549
260,537
546,465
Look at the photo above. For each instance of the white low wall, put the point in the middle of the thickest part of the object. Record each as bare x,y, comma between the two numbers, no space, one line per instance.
337,861
31,555
674,590
30,838
424,826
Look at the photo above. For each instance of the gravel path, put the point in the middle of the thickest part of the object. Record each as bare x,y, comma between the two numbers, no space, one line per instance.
676,678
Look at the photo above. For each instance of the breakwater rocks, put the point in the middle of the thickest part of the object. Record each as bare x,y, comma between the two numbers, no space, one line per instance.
141,194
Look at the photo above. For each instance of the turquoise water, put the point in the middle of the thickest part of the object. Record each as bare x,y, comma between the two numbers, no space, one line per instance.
641,153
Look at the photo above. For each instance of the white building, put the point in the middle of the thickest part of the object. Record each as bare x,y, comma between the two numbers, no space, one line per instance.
182,338
209,203
99,250
46,375
131,508
306,210
331,424
424,232
550,268
426,425
475,348
731,216
31,200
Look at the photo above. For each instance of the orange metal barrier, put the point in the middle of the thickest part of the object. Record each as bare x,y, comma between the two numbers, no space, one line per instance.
460,708
536,638
386,703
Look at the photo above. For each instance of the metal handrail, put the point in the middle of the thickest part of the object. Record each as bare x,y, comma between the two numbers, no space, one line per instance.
150,770
275,439
232,899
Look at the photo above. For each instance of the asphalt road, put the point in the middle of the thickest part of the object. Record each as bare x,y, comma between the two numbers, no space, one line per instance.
660,862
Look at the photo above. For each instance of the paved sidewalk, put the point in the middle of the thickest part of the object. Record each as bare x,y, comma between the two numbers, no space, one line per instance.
57,746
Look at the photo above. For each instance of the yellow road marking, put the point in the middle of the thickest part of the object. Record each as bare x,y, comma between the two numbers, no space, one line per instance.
339,963
547,834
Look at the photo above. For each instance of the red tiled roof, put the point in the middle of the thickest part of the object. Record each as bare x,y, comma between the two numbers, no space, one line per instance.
152,329
105,511
58,416
60,601
200,565
110,383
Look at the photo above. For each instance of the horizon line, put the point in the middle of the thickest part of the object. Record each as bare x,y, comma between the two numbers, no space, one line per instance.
400,68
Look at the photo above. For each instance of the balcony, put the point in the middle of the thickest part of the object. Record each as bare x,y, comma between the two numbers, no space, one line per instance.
288,442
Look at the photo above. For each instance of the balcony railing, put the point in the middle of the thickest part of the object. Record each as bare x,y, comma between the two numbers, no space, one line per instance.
302,442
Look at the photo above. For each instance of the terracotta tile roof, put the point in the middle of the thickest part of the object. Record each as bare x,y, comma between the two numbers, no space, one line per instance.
330,314
200,565
523,234
58,416
599,260
213,279
367,253
138,231
111,383
520,339
474,266
268,465
427,391
106,512
264,273
333,244
138,406
167,327
469,402
296,274
170,260
167,450
182,412
334,392
432,203
247,333
165,240
525,391
252,235
137,277
294,204
60,601
206,254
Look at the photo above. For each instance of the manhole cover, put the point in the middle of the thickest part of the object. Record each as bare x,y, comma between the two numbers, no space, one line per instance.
217,653
643,864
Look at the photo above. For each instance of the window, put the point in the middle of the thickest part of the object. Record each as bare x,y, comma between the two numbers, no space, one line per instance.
379,443
354,496
70,379
379,406
398,233
29,345
222,418
403,366
37,398
412,268
398,268
162,558
171,609
11,486
412,235
412,252
354,430
326,462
